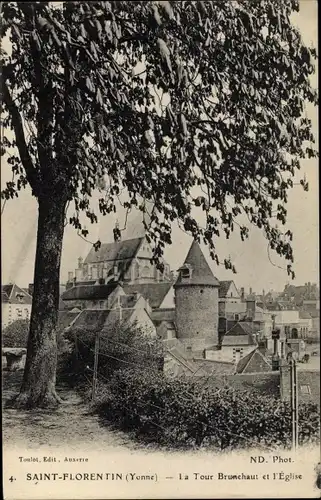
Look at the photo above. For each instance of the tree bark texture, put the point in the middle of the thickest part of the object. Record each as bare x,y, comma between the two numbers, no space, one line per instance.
39,380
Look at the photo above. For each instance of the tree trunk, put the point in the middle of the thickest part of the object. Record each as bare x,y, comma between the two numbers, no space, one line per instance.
39,380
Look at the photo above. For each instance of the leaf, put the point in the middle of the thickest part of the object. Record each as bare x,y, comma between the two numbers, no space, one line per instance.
164,52
156,15
99,98
167,8
183,124
89,84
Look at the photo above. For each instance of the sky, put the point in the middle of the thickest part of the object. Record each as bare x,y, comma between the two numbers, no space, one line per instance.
254,268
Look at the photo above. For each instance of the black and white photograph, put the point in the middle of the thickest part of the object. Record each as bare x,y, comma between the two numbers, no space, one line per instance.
159,249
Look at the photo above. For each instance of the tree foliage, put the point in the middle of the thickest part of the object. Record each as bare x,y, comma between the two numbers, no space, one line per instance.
180,103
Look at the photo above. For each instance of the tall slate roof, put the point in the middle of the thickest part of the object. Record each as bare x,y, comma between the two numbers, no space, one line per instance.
154,292
201,271
253,362
119,250
224,286
10,292
89,292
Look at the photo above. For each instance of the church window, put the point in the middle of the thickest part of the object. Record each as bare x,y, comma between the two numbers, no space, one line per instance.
201,291
145,272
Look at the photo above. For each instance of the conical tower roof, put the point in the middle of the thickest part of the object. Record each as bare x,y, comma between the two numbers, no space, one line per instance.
201,273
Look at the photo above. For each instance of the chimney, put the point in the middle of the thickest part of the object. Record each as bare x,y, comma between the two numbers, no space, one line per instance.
30,288
80,262
242,293
263,293
250,291
78,274
262,346
250,309
70,276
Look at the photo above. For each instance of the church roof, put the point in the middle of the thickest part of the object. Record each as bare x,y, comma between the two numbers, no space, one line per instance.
89,292
118,250
201,272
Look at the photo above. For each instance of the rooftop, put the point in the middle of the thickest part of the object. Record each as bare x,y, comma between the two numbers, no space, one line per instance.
119,250
201,272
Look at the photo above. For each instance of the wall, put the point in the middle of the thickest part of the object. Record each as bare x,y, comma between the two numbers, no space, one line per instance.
286,317
12,312
196,313
305,327
143,321
228,353
306,378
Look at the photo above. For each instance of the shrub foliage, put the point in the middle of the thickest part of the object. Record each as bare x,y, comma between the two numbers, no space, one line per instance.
16,334
120,346
180,413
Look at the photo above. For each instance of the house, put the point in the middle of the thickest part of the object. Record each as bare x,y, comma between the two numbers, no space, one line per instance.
313,308
100,320
305,323
16,304
164,321
285,316
238,341
230,304
253,362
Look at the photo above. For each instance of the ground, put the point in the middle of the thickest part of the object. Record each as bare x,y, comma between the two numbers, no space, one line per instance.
71,423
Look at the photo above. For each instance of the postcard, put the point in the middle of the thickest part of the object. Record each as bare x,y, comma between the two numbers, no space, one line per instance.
160,259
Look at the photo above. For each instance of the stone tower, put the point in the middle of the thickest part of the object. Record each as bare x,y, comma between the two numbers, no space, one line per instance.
196,302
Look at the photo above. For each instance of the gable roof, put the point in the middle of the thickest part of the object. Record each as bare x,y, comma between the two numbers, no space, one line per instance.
10,291
65,318
243,328
118,250
201,271
154,292
89,292
279,305
224,287
102,319
253,362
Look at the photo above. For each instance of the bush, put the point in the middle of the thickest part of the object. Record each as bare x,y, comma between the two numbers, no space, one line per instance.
16,334
119,345
181,413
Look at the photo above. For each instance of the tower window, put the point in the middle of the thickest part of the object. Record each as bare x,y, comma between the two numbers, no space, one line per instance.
185,272
201,291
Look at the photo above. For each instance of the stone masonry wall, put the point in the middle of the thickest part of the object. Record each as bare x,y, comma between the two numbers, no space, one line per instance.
196,310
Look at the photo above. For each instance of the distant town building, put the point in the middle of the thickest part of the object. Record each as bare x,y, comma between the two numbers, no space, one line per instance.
16,304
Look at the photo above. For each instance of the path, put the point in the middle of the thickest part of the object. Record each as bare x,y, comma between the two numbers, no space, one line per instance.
70,423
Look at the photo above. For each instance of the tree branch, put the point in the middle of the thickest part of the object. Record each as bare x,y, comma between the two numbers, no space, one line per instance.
20,137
